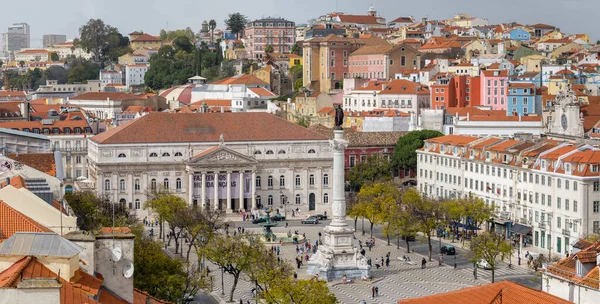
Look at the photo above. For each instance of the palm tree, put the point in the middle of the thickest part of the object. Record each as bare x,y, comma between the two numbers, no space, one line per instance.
212,24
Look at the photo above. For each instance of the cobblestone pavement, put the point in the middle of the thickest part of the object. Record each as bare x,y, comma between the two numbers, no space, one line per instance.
398,281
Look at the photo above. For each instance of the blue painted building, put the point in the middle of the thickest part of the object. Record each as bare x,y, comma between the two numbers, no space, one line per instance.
519,34
521,100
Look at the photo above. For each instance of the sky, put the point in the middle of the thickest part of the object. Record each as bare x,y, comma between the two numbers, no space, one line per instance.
150,16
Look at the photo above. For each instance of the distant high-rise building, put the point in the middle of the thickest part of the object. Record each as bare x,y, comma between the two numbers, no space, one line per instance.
51,39
16,38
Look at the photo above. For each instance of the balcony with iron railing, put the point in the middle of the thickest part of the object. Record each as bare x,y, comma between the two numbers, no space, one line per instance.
566,232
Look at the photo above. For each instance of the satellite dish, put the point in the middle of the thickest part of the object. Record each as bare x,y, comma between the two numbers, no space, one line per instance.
116,254
128,270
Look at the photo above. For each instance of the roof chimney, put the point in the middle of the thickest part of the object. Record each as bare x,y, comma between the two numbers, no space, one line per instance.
222,110
468,116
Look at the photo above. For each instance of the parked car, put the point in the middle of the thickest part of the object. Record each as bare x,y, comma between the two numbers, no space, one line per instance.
484,264
321,217
448,250
260,219
311,220
278,218
411,238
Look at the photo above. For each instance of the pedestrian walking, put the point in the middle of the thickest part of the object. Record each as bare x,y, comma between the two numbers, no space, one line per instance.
440,259
387,262
363,302
423,263
373,292
376,291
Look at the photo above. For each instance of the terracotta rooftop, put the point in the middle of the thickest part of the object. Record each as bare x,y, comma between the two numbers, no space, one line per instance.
12,221
262,92
12,94
205,127
241,79
43,162
500,292
362,139
104,96
145,37
360,19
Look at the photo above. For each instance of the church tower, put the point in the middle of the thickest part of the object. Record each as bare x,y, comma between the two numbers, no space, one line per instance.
372,11
568,119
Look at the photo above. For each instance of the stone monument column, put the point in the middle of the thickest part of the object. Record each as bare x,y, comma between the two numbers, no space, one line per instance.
337,255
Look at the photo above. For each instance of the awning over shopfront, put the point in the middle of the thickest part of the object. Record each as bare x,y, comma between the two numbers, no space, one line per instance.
521,229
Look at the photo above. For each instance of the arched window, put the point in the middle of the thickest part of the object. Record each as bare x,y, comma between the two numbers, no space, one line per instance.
311,180
153,154
325,198
258,182
258,201
166,183
123,203
282,182
281,152
270,182
178,154
270,200
297,181
178,184
269,152
257,152
107,185
297,199
137,185
122,185
311,151
153,184
325,180
166,154
137,204
121,155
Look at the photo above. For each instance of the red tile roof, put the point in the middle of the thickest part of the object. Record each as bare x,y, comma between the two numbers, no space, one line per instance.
140,297
262,92
12,221
104,96
12,94
241,79
360,19
43,162
205,127
145,37
500,292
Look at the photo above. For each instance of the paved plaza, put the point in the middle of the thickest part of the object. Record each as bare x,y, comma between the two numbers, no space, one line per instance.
398,281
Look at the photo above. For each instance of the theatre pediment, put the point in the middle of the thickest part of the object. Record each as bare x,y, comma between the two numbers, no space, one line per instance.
221,156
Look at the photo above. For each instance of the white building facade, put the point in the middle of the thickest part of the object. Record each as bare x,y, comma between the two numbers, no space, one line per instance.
224,161
402,95
551,189
134,74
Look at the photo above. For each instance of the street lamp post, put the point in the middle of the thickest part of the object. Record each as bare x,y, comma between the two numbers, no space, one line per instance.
222,282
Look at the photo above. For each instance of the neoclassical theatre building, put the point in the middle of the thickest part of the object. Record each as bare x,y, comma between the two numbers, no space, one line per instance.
225,161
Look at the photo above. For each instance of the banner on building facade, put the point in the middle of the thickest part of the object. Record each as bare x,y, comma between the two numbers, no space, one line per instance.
220,185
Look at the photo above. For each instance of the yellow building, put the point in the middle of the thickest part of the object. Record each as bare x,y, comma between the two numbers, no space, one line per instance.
145,41
569,47
558,82
473,49
294,59
533,62
264,74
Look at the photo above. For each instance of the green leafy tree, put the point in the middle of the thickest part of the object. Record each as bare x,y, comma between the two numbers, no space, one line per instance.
169,208
298,84
490,247
236,23
200,225
171,35
159,275
303,120
94,212
227,69
102,40
54,57
212,25
301,292
376,199
375,169
235,254
21,63
427,213
82,71
405,155
297,49
183,43
269,49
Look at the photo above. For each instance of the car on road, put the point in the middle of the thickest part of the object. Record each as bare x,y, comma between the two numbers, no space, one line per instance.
411,238
448,250
260,219
311,220
484,264
321,217
278,218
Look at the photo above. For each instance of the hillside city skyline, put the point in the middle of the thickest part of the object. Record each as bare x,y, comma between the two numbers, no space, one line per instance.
171,18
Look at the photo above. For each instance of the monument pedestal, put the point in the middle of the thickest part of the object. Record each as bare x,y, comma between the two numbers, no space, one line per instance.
336,256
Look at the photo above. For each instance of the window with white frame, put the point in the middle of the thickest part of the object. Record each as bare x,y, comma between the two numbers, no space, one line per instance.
311,180
166,183
325,198
297,199
270,182
282,182
178,184
325,180
122,185
297,181
270,200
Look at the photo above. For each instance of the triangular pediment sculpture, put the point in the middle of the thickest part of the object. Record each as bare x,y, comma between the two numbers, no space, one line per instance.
221,155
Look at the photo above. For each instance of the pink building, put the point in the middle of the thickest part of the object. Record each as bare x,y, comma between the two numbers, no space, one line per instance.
277,32
383,61
494,89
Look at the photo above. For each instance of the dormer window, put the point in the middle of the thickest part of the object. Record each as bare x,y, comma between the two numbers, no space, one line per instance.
426,146
442,148
594,168
471,153
487,155
567,168
269,152
257,152
455,150
505,158
543,164
311,151
153,154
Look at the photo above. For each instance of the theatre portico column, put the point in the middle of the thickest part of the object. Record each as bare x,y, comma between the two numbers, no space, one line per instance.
229,210
216,191
253,195
190,188
241,186
203,193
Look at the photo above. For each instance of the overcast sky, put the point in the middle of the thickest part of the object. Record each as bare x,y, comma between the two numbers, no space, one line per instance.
66,16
